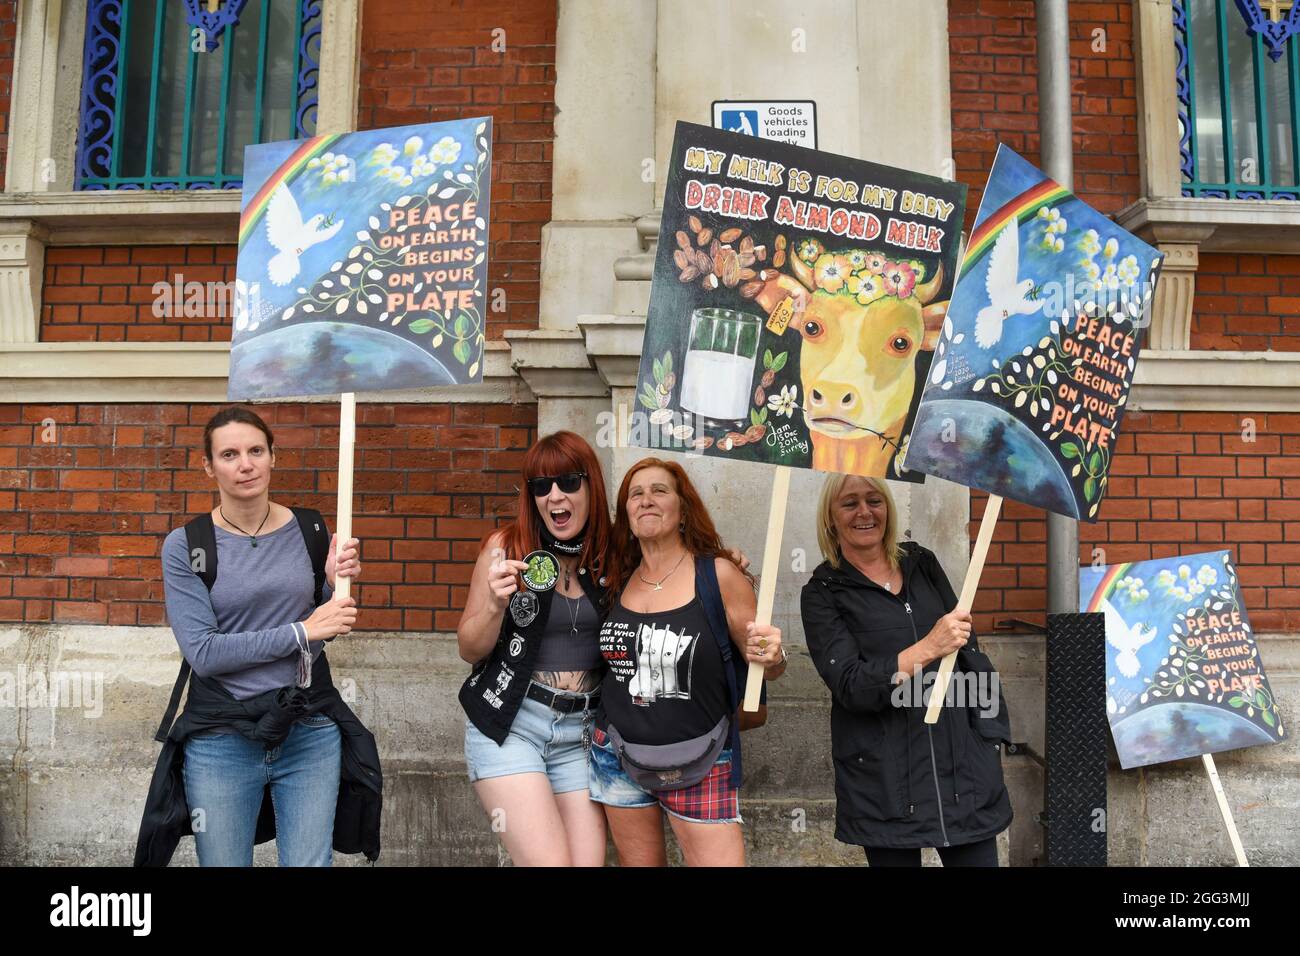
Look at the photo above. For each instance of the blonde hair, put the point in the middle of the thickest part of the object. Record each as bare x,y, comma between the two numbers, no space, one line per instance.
826,537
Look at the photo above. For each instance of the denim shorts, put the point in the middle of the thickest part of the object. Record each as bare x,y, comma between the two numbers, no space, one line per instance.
712,800
541,740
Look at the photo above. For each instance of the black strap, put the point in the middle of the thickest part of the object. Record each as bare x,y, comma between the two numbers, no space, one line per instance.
733,665
312,526
201,540
169,716
710,594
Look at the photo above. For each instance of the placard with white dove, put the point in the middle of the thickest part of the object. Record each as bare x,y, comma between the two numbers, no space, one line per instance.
1034,362
363,262
1183,671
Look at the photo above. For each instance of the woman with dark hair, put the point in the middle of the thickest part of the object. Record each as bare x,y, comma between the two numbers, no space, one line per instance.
878,614
667,733
249,598
532,694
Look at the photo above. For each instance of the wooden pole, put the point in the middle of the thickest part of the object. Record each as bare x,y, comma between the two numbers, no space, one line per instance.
343,510
767,583
1224,809
968,589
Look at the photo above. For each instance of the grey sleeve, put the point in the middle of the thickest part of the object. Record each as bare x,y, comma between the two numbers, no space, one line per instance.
190,614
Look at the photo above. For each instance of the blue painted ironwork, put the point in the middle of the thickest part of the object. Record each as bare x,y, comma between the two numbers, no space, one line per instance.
98,91
213,23
104,89
1185,87
1274,32
309,29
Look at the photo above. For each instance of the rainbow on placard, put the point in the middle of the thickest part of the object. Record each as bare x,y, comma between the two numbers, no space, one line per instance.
1105,584
1022,207
284,173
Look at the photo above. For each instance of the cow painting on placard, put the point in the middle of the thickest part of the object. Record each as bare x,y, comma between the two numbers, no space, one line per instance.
796,300
363,261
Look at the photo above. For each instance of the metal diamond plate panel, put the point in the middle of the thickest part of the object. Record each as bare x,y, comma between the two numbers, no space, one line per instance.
1077,736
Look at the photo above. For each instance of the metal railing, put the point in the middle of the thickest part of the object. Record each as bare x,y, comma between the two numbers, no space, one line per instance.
1219,71
173,90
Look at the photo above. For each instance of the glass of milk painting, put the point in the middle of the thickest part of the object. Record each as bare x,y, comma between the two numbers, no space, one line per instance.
719,367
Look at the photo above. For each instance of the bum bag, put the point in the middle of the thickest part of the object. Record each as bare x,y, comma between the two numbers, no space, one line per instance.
674,766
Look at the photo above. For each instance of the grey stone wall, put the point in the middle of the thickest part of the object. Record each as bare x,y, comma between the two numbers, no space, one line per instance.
74,775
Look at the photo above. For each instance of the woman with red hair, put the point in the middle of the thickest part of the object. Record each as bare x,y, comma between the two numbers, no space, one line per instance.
531,697
667,733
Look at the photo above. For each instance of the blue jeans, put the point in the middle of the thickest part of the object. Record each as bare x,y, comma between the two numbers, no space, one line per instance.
226,773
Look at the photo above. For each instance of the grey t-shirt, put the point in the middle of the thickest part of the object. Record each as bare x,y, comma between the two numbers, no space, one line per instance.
571,641
243,633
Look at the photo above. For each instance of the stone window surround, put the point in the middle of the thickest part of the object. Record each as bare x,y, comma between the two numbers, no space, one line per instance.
1182,226
37,211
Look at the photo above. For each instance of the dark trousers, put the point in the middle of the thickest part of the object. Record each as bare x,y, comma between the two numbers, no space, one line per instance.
983,853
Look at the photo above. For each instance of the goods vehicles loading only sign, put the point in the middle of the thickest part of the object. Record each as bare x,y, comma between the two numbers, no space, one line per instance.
790,121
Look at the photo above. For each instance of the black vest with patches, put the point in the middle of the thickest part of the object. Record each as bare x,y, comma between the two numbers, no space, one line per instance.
495,689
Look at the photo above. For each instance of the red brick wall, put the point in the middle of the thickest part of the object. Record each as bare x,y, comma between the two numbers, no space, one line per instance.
82,518
106,294
1247,302
434,61
420,63
1180,483
8,36
994,77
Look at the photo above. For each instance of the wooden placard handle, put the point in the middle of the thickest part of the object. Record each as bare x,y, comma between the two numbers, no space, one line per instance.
343,510
767,583
1224,809
968,589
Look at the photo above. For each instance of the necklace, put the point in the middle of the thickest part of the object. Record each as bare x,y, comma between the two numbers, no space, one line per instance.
886,584
660,585
573,609
253,536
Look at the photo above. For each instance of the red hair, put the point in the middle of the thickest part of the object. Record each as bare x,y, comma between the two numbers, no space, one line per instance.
559,454
700,537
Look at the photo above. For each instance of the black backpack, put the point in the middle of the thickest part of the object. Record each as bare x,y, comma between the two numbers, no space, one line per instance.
201,542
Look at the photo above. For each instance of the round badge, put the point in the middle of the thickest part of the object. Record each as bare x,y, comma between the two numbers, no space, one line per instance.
523,608
516,647
543,571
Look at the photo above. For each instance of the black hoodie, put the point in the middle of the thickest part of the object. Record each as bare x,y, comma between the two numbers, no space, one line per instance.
898,782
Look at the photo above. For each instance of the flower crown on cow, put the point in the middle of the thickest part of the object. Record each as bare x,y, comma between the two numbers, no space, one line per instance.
860,273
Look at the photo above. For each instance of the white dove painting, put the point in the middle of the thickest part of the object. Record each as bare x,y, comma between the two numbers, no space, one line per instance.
363,261
290,236
1008,295
1126,639
1183,671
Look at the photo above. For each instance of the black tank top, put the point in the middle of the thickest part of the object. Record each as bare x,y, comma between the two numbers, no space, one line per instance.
664,682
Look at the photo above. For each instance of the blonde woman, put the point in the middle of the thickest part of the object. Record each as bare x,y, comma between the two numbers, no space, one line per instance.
878,615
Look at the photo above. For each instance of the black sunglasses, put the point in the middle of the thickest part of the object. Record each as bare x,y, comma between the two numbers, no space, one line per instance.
569,483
